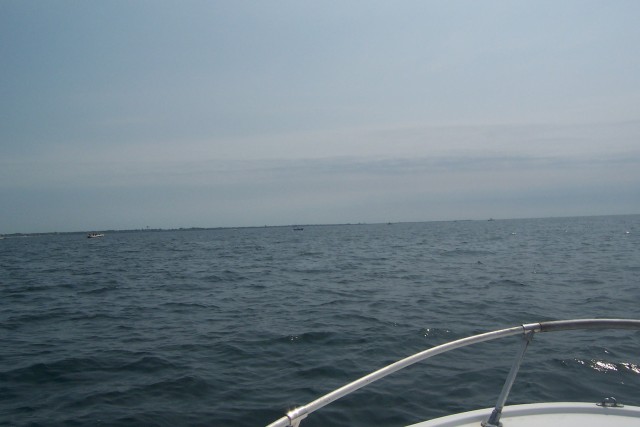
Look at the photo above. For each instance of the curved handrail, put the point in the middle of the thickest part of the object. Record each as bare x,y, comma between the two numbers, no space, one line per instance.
293,417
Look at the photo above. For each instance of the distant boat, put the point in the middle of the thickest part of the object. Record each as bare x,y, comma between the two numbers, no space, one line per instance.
298,228
94,235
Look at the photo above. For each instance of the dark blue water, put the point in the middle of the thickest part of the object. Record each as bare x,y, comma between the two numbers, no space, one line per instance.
233,327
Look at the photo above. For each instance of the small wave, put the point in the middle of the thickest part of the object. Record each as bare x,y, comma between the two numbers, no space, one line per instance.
213,278
311,337
226,276
93,316
632,367
99,291
49,315
587,281
436,333
233,351
310,254
606,366
187,305
146,364
506,282
67,369
58,371
323,372
183,386
465,252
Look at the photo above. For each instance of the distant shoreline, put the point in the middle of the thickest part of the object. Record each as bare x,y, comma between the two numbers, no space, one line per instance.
139,230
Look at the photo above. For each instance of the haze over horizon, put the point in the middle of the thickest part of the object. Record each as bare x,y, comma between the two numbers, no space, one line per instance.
123,115
296,226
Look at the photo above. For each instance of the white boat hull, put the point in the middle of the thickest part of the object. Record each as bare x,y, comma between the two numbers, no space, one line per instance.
560,414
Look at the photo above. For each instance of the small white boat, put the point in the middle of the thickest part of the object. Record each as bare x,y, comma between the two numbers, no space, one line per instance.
94,235
566,414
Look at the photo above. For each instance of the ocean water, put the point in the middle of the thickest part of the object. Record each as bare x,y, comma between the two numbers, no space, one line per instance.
232,327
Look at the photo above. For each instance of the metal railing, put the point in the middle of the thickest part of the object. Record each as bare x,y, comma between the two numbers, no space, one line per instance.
295,416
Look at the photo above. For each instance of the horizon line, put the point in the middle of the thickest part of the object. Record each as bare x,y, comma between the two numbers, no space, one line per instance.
193,228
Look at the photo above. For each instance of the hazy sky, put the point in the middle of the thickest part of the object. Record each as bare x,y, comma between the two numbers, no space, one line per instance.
127,114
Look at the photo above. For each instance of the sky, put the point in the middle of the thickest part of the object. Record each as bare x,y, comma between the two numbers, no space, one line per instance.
127,114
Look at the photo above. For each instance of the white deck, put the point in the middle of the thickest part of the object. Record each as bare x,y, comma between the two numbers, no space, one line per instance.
565,414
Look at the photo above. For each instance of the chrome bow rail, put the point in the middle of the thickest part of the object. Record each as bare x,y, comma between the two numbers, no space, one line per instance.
295,416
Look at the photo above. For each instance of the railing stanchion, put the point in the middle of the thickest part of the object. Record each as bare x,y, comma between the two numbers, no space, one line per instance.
494,418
